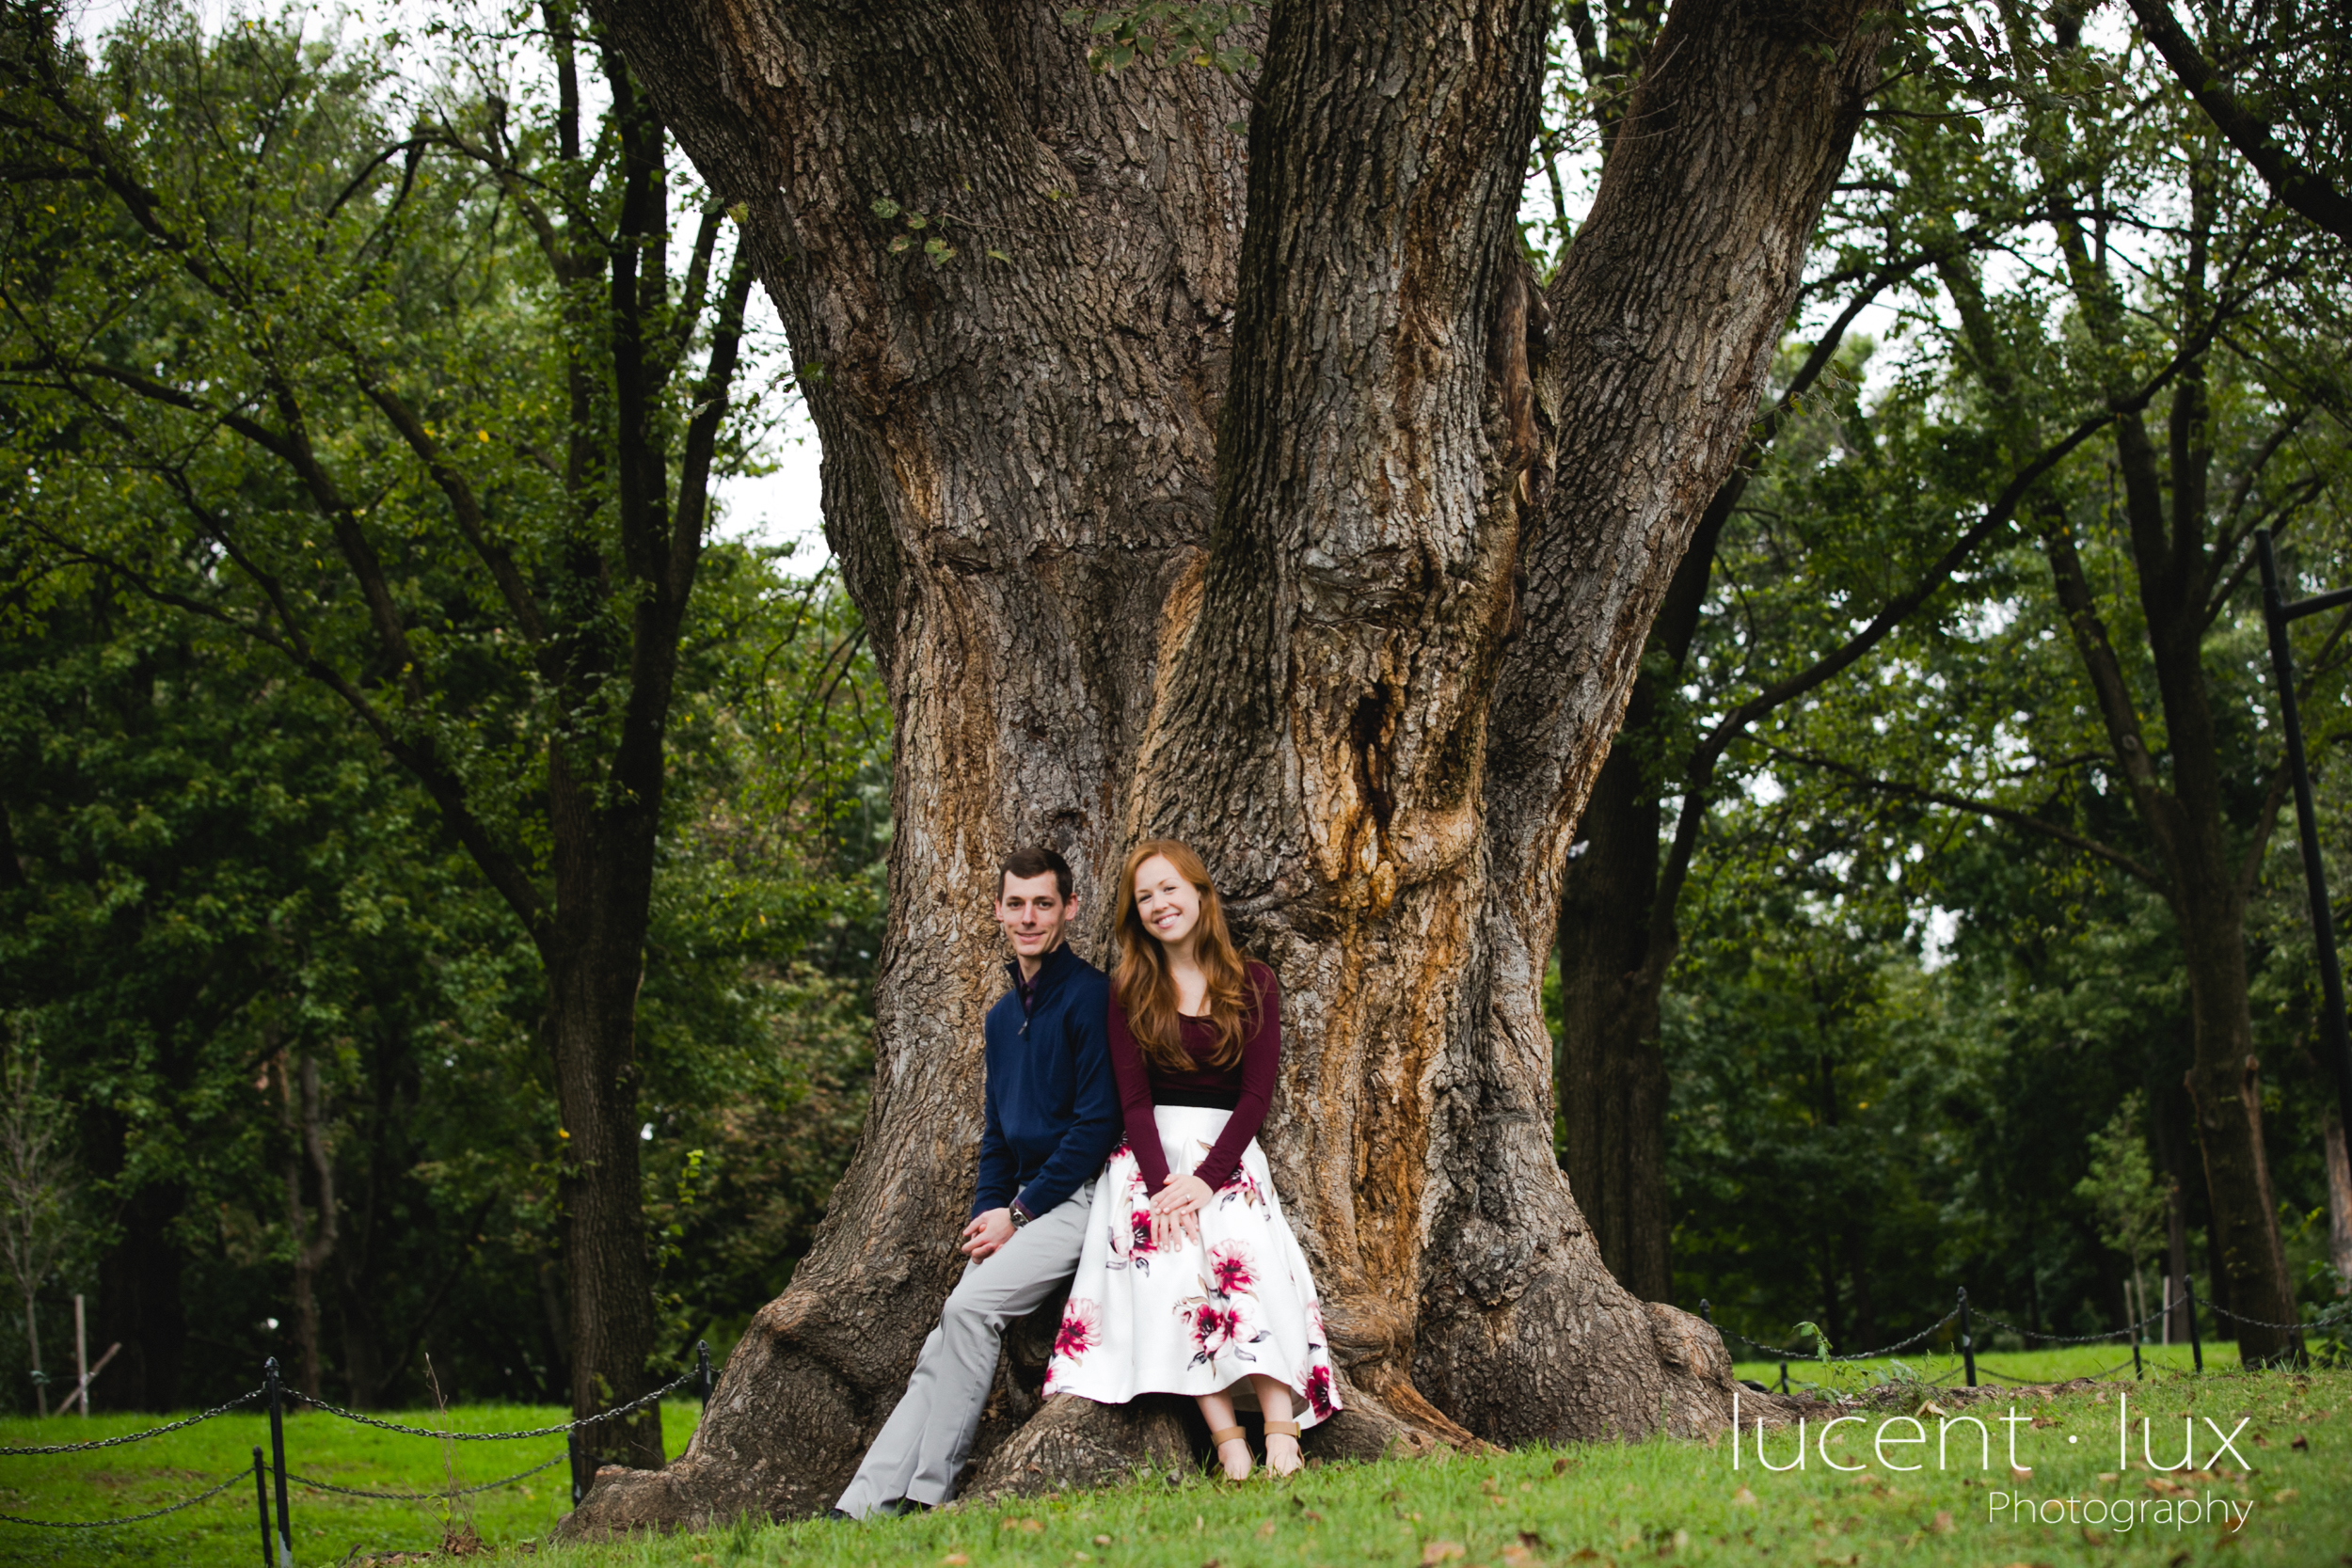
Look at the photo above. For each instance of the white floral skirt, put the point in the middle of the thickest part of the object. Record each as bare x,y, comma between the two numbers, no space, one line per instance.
1204,1317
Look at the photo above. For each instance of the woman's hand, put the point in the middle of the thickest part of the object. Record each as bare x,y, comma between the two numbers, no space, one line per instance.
1176,1211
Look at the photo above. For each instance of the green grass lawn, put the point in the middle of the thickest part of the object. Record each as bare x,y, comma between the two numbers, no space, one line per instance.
1598,1506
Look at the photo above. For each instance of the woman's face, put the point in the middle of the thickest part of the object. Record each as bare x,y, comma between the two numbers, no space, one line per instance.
1169,905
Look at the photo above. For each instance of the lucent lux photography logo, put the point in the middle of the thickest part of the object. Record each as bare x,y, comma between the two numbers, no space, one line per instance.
1902,1444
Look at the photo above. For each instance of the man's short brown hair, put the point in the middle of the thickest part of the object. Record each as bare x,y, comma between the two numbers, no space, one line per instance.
1035,861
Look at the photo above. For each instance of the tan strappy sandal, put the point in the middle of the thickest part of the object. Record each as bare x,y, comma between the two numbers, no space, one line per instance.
1219,1436
1281,1429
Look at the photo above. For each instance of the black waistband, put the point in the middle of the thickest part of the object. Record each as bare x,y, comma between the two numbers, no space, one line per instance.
1207,1099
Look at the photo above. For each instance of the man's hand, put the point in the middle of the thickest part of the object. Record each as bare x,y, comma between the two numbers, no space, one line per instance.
1176,1211
986,1233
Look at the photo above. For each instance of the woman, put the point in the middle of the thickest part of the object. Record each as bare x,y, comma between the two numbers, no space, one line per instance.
1191,1281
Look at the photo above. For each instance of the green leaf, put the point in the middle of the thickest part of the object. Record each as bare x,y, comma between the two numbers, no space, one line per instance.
885,209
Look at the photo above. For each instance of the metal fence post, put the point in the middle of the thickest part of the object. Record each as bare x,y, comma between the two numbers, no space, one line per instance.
571,1446
2196,1346
702,1370
2137,1375
1784,1377
261,1503
277,1458
1967,1341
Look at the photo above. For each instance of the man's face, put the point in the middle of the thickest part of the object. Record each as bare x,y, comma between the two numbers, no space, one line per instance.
1033,913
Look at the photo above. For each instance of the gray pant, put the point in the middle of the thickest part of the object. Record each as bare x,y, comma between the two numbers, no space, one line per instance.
923,1444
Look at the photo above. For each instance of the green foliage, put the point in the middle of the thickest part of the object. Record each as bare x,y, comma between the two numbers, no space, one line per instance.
1919,962
304,340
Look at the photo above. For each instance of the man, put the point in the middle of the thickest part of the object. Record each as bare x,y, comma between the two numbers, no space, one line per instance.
1051,1119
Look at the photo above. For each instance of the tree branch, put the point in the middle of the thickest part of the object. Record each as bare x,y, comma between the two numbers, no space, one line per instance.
2303,189
2267,823
702,430
2114,857
463,504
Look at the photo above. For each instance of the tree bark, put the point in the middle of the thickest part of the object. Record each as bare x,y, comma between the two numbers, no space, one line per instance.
1259,535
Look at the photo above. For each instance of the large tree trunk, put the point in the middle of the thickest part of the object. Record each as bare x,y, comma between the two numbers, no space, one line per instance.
1313,612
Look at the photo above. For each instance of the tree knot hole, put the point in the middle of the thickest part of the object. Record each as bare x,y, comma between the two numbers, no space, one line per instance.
1370,731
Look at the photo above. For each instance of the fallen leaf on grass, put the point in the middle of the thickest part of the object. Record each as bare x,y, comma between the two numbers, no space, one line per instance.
1942,1522
2020,1472
1743,1499
1101,1540
2286,1496
2300,1442
1560,1465
1265,1531
1440,1551
955,1560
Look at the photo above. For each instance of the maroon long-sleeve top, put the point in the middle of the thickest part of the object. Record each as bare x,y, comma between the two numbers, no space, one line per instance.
1245,1088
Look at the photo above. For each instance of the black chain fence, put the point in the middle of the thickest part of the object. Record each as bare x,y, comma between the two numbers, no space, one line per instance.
138,1436
277,1546
1965,1347
614,1413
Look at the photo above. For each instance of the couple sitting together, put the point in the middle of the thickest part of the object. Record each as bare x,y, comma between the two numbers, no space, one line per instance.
1188,1279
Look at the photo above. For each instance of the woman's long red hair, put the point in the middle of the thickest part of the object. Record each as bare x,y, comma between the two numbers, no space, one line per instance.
1147,989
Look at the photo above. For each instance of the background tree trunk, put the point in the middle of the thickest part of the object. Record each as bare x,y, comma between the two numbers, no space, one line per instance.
1611,1073
1365,644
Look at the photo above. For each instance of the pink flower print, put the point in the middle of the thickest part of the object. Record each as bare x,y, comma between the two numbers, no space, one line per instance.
1315,1336
1139,1225
1081,1328
1319,1391
1215,1329
1223,1328
1231,1268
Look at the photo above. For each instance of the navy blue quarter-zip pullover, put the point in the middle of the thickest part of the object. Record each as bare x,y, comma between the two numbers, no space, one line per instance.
1052,1105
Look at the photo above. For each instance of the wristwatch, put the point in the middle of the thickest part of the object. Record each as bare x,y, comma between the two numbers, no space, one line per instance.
1020,1216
